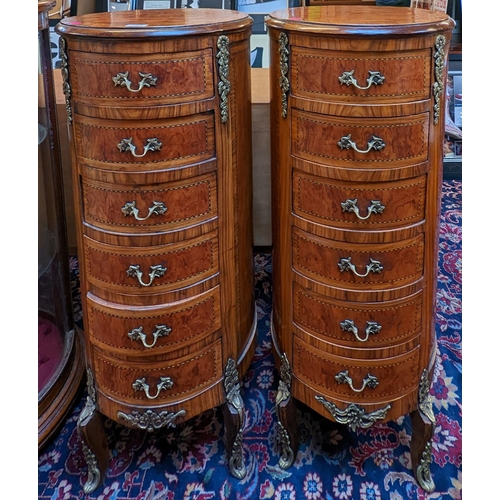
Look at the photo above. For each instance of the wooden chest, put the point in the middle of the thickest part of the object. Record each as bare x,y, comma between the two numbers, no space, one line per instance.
357,118
158,107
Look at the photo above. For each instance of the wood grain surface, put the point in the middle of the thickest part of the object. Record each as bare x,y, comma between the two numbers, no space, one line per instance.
162,184
357,132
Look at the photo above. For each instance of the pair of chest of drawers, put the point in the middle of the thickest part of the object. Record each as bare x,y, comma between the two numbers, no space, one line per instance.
159,112
357,122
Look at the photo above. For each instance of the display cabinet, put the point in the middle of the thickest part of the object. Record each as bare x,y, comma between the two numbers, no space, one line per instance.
60,353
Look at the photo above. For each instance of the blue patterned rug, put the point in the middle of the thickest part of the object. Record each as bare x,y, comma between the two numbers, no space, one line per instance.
188,463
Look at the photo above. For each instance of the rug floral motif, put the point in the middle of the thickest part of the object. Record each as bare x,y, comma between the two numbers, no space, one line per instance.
332,463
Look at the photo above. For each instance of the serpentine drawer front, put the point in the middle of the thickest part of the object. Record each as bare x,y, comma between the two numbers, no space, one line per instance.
362,77
159,206
357,324
371,206
126,80
138,331
158,105
358,104
159,382
145,144
333,140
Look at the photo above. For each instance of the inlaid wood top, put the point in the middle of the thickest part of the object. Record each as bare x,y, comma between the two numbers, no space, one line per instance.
360,19
154,23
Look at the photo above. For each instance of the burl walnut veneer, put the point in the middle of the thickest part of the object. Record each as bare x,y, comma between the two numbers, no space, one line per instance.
357,123
158,106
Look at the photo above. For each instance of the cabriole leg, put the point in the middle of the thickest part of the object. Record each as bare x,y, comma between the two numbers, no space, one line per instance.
91,431
286,414
423,424
234,414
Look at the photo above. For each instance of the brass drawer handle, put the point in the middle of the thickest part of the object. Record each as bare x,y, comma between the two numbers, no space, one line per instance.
351,206
156,208
125,145
373,267
156,271
121,80
374,78
369,381
140,385
376,143
138,334
372,327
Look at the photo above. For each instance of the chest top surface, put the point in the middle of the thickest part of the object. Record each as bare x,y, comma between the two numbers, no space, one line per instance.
360,19
154,23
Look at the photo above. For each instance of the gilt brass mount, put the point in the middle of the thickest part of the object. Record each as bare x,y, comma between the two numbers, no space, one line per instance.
354,416
284,83
439,58
224,86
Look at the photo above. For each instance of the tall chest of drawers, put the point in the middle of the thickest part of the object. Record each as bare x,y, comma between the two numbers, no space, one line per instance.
357,132
158,106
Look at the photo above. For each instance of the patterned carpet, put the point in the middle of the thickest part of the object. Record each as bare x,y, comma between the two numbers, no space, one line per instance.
188,463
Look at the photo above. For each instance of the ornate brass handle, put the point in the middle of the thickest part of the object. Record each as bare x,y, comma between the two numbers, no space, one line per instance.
376,143
140,385
126,145
369,381
374,78
372,327
156,208
121,80
138,334
373,267
156,271
351,206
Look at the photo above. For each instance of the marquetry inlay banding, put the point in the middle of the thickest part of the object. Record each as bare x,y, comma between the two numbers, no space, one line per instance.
304,301
302,248
416,128
130,347
97,130
416,202
208,184
183,64
408,365
212,249
304,60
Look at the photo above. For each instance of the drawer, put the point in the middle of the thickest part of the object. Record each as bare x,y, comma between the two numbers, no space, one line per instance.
357,325
144,145
360,142
151,269
158,207
353,379
361,266
360,77
141,80
152,330
368,206
158,382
